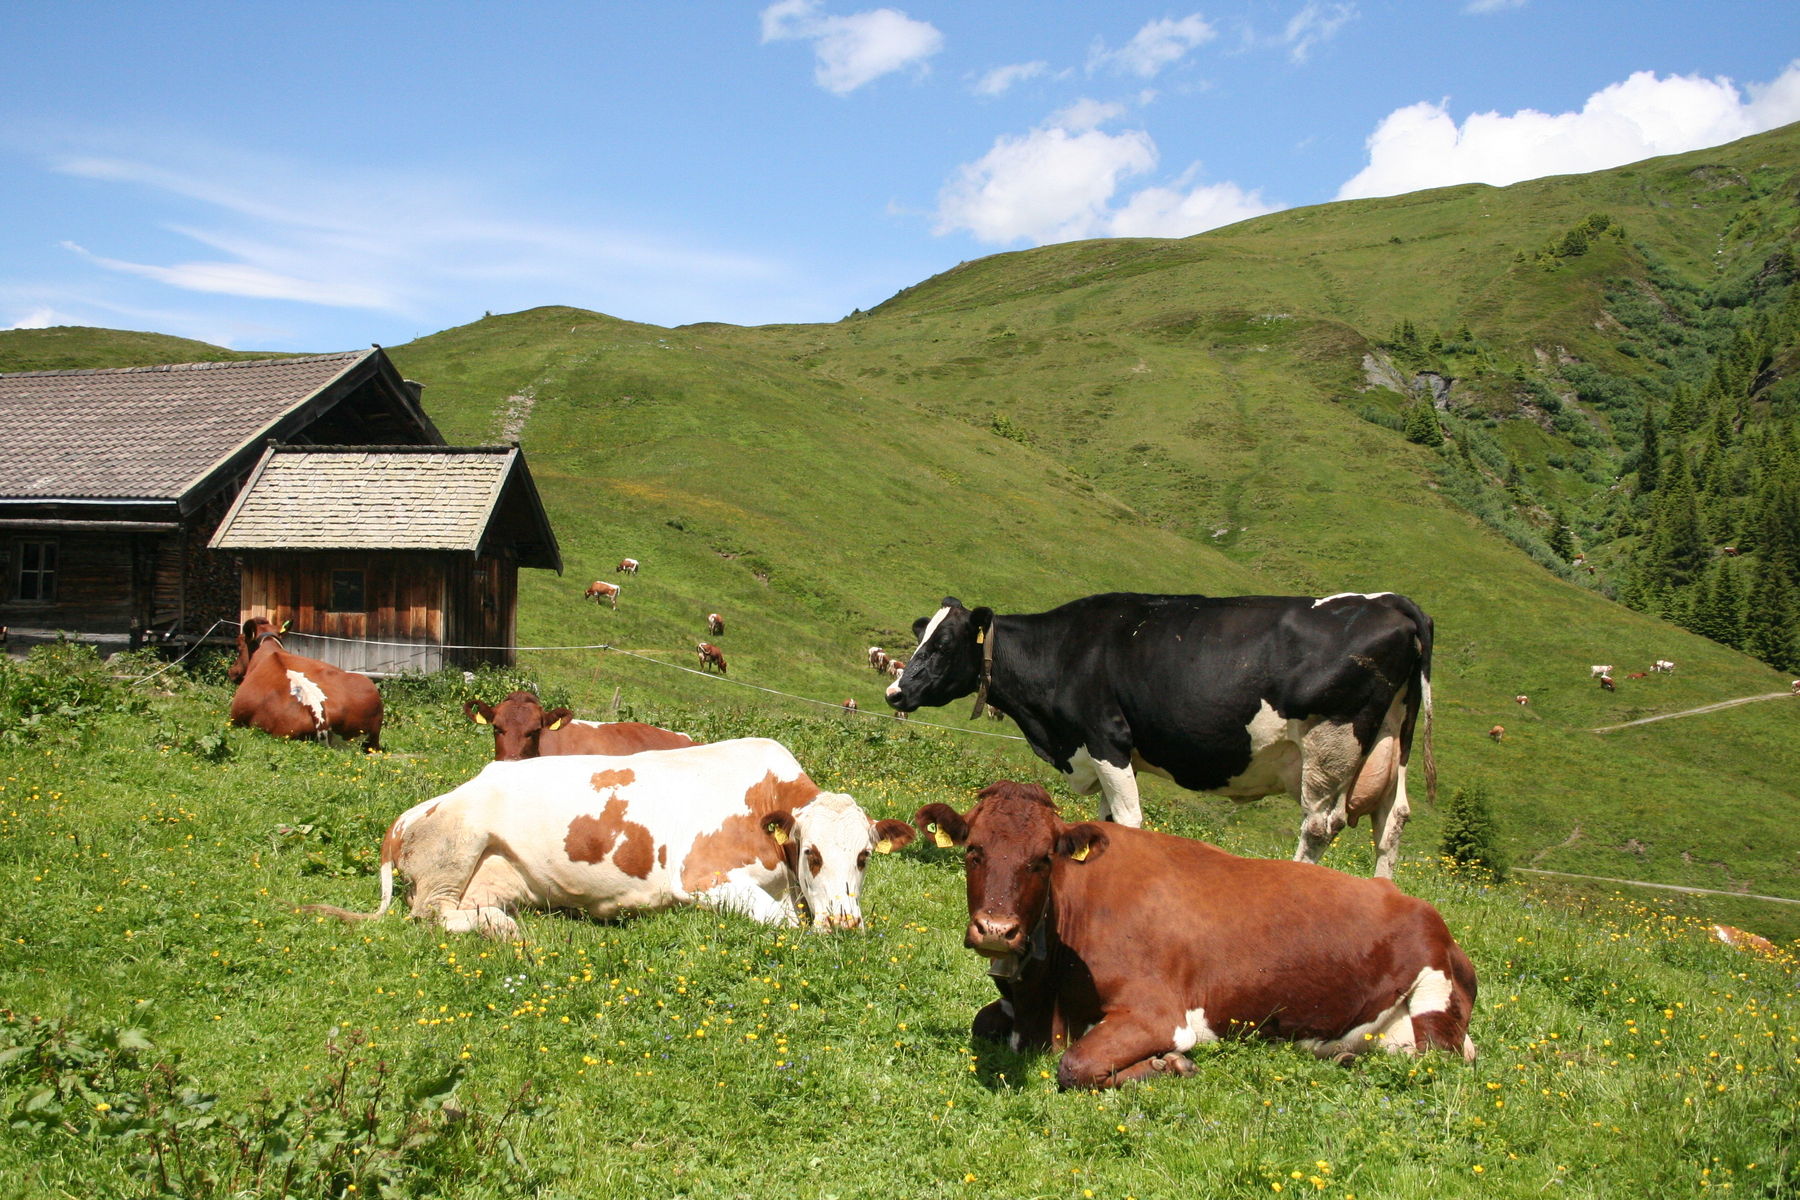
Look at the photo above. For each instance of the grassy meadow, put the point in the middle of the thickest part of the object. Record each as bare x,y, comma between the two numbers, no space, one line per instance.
173,1025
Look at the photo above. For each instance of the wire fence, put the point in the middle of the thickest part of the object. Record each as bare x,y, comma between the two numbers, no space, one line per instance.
609,648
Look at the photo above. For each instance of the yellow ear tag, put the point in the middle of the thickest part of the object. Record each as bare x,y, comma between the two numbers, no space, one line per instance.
556,724
779,834
980,636
884,846
1081,854
944,841
479,719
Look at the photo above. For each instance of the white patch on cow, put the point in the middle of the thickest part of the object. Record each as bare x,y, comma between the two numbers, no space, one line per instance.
1195,1031
937,619
1392,1030
1274,756
1350,596
309,694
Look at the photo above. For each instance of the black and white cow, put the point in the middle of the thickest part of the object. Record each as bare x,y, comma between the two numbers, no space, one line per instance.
1241,696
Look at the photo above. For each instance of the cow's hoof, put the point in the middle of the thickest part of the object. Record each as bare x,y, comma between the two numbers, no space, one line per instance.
1173,1063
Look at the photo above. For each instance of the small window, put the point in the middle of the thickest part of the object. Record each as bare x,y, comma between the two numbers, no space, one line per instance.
346,591
35,578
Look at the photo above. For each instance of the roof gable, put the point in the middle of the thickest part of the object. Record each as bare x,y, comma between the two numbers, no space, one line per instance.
467,499
174,433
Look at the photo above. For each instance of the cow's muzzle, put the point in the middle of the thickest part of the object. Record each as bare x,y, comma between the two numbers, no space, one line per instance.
994,935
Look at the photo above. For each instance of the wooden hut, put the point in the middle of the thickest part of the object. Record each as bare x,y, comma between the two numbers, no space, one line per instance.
390,558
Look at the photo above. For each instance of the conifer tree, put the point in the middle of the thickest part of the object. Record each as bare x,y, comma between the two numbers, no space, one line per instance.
1562,539
1649,453
1422,426
1676,543
1769,616
1471,835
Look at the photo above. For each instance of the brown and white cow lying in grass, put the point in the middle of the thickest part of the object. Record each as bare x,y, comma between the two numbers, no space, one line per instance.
1131,947
735,826
524,728
292,696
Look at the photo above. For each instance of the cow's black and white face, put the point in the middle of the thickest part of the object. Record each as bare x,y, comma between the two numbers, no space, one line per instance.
947,662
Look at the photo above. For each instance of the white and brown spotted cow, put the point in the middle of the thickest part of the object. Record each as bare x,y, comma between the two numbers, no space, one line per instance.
601,590
735,826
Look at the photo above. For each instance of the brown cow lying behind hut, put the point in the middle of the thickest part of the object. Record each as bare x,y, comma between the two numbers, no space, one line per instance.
523,728
291,696
1131,947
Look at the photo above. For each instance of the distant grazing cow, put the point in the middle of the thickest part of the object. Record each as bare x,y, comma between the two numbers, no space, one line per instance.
711,657
850,704
291,696
1521,698
1607,684
1637,675
1729,551
1241,696
523,728
878,659
1597,672
1131,947
1794,688
1663,666
628,566
1498,733
1740,939
735,826
601,590
894,667
715,624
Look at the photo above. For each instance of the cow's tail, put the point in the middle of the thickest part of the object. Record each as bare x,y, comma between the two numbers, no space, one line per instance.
390,850
1418,700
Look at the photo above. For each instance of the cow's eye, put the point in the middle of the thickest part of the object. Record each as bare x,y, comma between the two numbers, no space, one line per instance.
1041,865
814,860
974,855
862,860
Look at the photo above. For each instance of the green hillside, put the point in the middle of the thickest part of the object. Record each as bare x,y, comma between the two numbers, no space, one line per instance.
79,347
1218,414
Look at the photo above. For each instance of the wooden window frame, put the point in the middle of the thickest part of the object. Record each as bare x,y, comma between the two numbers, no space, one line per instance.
348,584
44,577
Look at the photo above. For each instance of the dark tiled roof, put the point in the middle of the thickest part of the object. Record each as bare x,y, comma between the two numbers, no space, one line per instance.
375,498
144,432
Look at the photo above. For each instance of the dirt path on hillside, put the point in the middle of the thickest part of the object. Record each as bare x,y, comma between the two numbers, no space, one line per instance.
1692,712
1667,887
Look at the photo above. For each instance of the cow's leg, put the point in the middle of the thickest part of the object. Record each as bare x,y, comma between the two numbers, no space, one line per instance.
483,908
1122,1049
1117,786
1388,821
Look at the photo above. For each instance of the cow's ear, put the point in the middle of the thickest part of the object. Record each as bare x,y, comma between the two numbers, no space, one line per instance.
249,629
983,619
945,825
892,835
556,718
1081,843
779,825
478,712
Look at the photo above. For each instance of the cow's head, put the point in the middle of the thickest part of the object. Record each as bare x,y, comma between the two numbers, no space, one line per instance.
519,723
1011,838
250,637
827,844
947,662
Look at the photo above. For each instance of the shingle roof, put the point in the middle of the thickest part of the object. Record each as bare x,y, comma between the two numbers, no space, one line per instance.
373,498
145,432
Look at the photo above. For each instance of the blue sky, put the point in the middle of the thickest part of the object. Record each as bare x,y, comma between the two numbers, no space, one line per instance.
319,176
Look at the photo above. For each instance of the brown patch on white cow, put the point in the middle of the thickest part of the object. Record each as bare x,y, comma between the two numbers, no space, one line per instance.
612,778
769,793
593,839
738,842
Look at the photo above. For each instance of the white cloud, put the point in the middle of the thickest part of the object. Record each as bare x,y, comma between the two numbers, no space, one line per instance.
1172,212
1421,146
40,318
396,242
1157,45
1314,24
856,49
1001,79
1063,181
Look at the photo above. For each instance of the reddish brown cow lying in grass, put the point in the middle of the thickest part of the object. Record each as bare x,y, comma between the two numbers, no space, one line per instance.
291,696
523,728
1130,947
